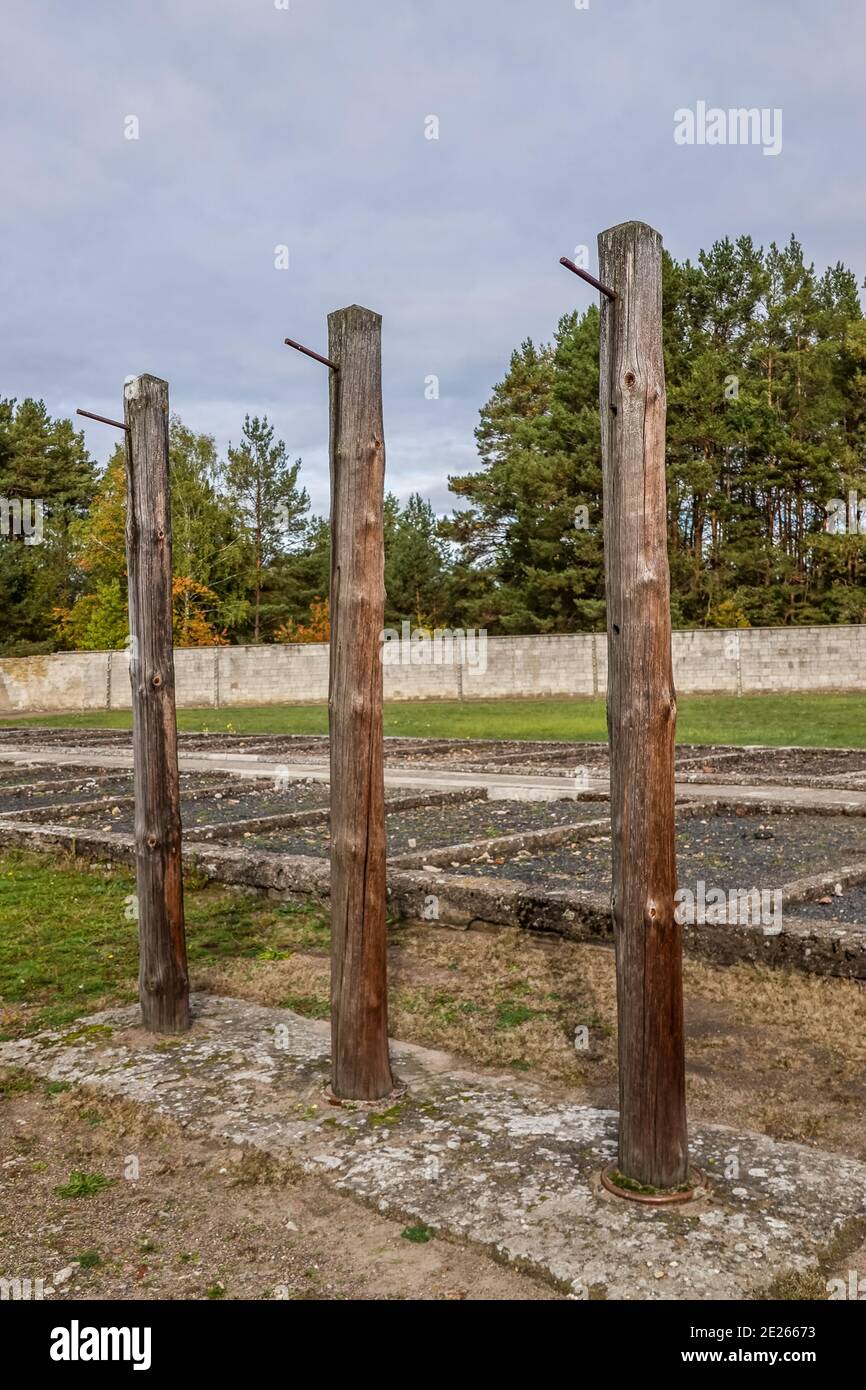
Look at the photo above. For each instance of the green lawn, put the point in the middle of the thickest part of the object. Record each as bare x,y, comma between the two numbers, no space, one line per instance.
69,943
807,720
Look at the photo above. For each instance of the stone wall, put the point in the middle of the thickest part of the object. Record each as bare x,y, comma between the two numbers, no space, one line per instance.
752,661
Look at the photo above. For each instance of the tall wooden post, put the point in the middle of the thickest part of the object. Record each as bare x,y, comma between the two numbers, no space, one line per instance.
641,712
361,1067
163,976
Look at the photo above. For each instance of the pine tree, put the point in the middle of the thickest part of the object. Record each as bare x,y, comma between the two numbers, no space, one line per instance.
536,518
270,506
43,463
299,580
415,567
766,382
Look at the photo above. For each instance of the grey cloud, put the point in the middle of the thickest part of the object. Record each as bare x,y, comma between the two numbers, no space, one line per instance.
261,127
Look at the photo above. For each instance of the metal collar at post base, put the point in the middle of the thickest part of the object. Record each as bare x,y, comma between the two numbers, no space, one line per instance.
698,1186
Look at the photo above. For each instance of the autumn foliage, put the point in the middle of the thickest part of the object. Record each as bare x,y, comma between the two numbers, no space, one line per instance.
318,629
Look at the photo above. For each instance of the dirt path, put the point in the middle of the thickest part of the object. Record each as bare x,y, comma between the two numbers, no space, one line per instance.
202,1220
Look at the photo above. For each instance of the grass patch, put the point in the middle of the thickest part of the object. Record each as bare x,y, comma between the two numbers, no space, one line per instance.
67,947
94,1032
807,720
82,1184
255,1168
309,1005
418,1235
813,1284
510,1015
15,1081
386,1117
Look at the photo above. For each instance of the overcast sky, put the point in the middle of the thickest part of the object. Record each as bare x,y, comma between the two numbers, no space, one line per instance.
261,126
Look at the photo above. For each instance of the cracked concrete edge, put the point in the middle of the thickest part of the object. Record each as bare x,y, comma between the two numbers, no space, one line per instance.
801,890
38,815
585,917
842,781
465,901
465,851
750,802
61,784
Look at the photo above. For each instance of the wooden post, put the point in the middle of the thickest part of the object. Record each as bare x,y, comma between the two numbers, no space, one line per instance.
361,1067
641,712
163,977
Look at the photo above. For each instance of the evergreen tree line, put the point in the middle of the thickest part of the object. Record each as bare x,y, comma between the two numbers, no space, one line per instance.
766,460
765,365
250,563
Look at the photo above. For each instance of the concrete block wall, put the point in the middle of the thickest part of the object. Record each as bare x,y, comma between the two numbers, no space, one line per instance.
538,665
706,662
428,682
802,658
66,682
270,675
739,662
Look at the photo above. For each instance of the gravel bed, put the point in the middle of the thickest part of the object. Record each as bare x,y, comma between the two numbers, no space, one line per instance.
306,839
51,738
846,908
785,762
723,851
86,789
228,743
15,774
482,753
209,806
434,827
261,799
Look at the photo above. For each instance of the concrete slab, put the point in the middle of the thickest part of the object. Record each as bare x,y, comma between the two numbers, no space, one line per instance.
511,786
487,1159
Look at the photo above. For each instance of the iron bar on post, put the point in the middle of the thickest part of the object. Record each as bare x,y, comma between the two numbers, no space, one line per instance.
103,419
585,275
308,352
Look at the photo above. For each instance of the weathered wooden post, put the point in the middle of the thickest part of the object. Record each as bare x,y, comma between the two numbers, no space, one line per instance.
641,712
163,976
361,1067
